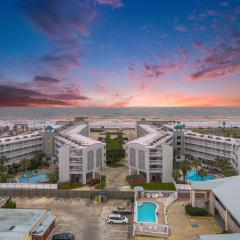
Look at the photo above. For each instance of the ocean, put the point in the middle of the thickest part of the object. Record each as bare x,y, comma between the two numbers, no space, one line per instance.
12,113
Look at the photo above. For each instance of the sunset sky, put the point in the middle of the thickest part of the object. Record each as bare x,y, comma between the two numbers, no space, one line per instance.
119,53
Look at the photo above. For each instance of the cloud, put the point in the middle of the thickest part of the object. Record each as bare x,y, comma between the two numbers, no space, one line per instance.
151,73
45,79
13,96
62,62
221,60
180,28
62,20
113,3
41,91
123,103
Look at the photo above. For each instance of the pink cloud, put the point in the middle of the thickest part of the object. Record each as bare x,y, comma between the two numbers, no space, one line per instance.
221,60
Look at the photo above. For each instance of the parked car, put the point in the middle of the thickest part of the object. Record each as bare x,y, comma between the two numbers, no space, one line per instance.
117,218
63,236
93,182
122,210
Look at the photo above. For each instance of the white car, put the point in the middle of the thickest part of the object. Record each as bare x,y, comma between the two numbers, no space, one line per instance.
117,218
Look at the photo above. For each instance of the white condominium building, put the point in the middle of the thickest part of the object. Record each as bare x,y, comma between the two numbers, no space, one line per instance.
210,147
18,147
79,156
151,155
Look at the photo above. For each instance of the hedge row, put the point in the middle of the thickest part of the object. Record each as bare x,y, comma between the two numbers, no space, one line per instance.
195,211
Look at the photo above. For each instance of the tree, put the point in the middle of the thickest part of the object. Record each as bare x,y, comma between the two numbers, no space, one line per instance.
176,175
202,173
25,164
9,204
53,177
196,164
185,167
2,160
4,177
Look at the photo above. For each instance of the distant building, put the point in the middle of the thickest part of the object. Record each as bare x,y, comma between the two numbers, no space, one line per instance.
151,154
205,147
210,147
19,147
80,157
26,224
220,197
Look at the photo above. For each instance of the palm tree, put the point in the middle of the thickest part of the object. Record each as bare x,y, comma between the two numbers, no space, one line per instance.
202,173
185,167
25,164
196,164
2,160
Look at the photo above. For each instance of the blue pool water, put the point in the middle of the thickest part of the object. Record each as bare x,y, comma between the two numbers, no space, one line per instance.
40,177
146,212
193,177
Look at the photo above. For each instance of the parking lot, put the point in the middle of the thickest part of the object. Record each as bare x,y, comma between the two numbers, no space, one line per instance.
82,217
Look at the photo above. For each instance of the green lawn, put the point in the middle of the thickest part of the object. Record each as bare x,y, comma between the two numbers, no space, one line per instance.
65,186
159,186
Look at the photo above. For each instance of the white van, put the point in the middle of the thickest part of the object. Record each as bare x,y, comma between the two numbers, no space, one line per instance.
117,218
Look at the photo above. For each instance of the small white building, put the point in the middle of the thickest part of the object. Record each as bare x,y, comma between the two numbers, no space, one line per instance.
151,155
80,157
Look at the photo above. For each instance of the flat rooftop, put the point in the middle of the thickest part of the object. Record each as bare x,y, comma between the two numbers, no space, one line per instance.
212,137
153,136
73,136
15,223
19,137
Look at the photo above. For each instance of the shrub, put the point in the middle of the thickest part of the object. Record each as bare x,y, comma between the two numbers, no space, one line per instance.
9,204
135,180
159,186
225,232
195,211
74,185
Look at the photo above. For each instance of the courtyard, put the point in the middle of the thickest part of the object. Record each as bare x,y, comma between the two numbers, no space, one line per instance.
82,217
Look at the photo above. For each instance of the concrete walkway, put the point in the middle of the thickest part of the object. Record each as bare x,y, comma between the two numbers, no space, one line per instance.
116,178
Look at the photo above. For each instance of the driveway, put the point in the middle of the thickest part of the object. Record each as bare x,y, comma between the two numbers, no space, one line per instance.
116,178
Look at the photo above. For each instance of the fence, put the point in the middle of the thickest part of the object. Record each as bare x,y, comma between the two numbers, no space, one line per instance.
13,192
182,187
28,186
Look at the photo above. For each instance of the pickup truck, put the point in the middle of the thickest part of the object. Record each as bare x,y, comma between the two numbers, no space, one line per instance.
122,210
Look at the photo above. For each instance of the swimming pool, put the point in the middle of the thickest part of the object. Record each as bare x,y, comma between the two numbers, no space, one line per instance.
40,177
192,176
147,212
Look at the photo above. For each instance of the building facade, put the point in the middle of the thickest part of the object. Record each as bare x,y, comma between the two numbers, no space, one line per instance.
18,147
80,158
210,147
151,154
